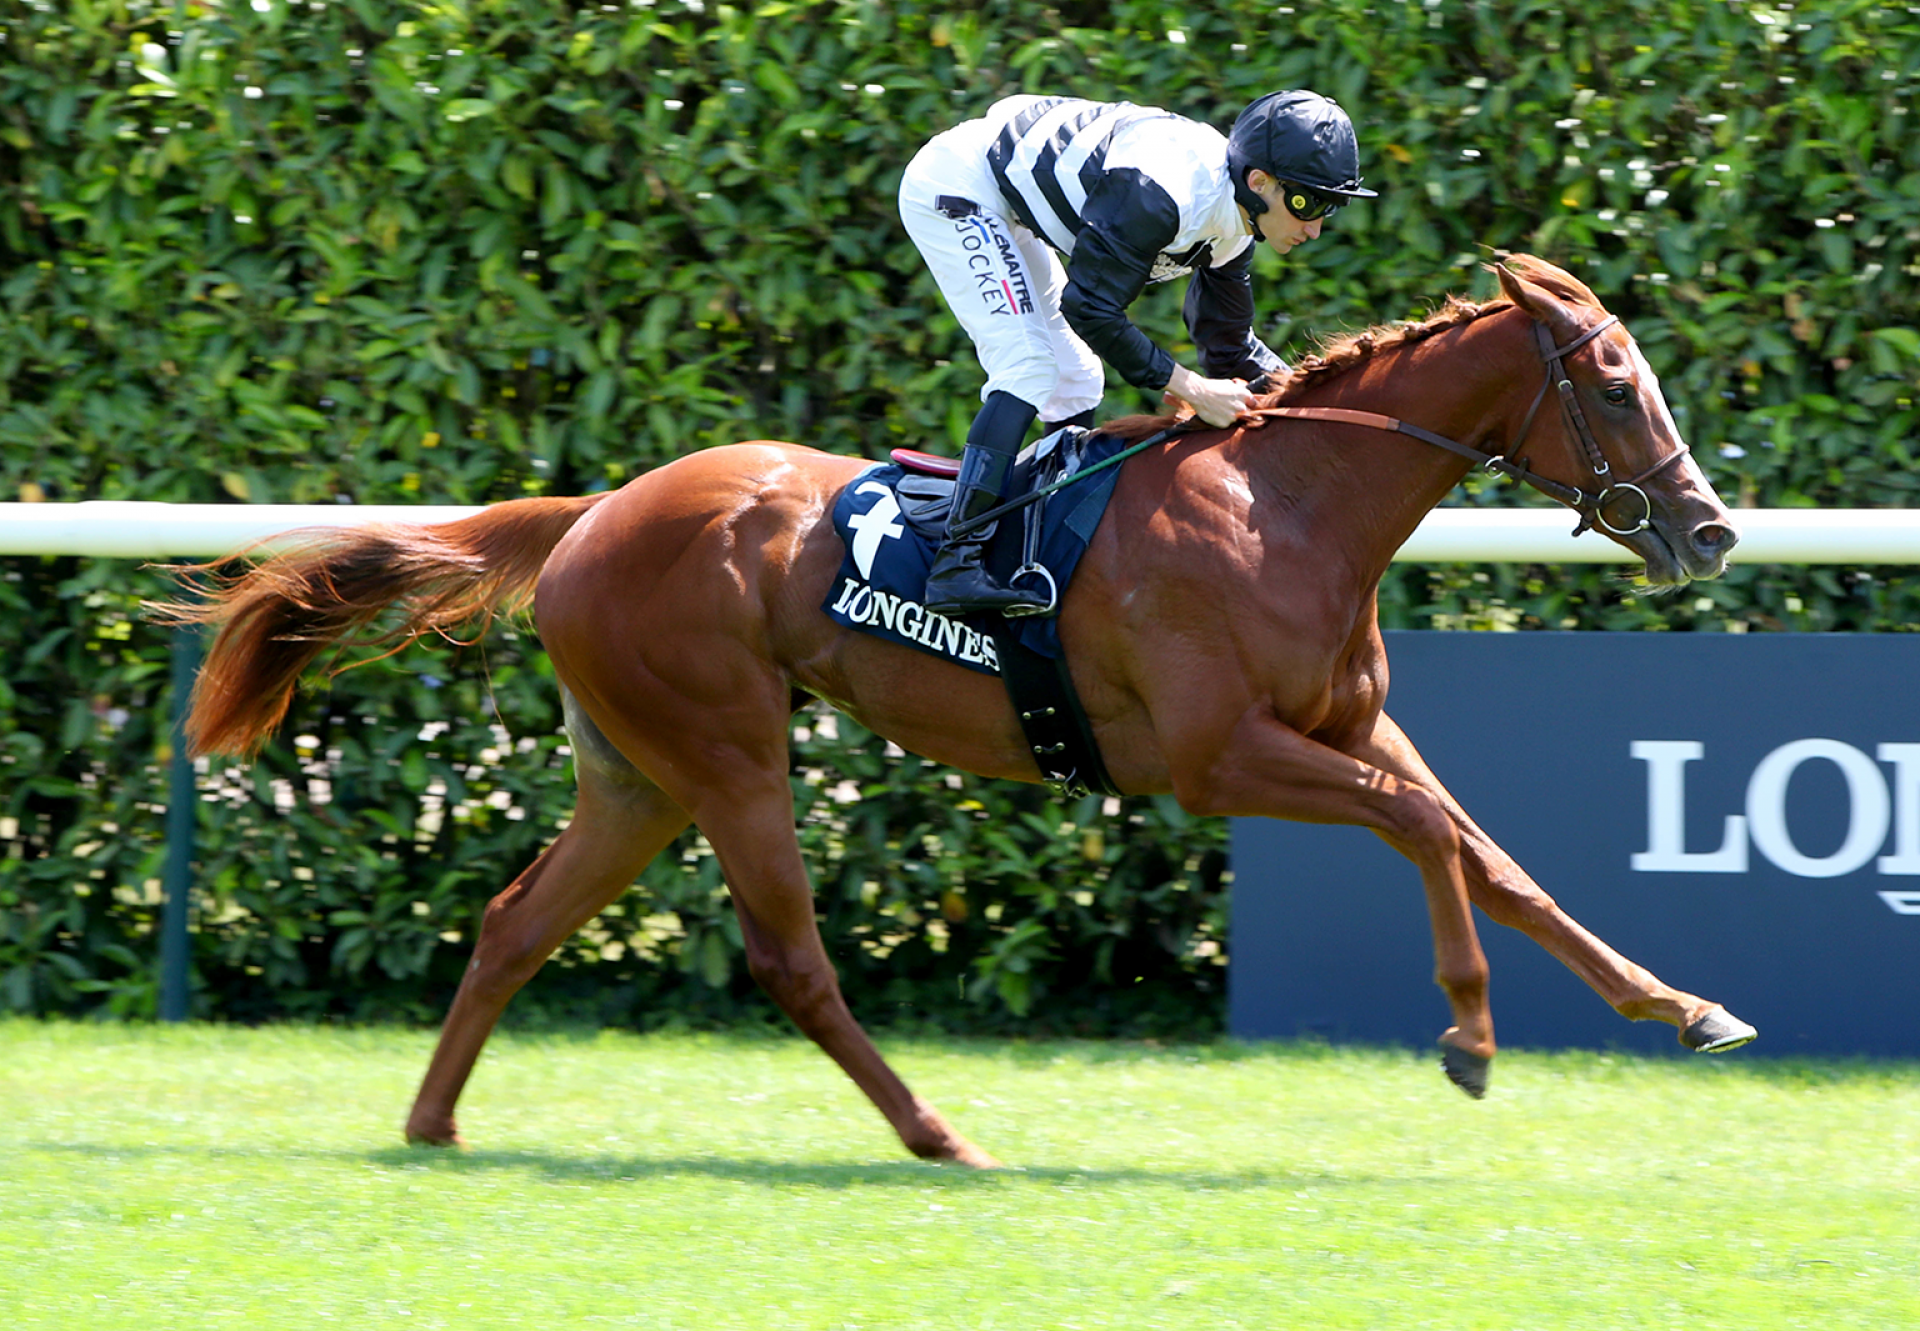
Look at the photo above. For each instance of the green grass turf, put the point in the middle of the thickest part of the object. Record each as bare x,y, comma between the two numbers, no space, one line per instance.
215,1177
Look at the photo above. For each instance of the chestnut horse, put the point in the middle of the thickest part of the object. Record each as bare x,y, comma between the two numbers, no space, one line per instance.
1221,632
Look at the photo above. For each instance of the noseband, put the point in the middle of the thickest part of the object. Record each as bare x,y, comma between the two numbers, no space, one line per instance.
1591,505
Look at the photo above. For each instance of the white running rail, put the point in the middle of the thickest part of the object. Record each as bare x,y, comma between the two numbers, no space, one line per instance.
145,530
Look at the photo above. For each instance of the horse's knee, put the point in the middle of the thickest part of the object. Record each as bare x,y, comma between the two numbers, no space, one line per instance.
1423,829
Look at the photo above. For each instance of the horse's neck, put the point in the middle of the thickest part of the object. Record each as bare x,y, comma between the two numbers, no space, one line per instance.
1364,490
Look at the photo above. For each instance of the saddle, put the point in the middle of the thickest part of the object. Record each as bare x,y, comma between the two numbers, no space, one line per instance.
927,464
892,516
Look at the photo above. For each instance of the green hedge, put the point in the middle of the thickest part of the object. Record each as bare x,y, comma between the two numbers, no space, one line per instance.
364,251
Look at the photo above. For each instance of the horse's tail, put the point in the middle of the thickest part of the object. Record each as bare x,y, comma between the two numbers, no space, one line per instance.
331,584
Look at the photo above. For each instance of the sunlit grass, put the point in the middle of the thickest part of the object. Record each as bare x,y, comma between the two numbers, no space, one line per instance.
207,1176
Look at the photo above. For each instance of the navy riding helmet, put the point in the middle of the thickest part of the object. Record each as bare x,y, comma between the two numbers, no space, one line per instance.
1299,137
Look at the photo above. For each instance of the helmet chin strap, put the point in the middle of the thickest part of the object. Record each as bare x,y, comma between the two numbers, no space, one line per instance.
1254,206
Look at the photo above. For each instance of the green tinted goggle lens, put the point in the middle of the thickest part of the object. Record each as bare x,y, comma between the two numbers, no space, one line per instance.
1309,204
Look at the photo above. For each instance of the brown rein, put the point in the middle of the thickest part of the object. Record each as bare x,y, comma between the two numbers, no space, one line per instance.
1589,504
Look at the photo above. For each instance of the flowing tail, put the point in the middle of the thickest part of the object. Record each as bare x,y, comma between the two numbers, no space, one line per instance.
331,584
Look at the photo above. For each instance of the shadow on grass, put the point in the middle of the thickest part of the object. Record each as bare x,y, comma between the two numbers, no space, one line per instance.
902,1173
762,1173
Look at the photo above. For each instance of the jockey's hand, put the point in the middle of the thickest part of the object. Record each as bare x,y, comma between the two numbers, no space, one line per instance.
1218,402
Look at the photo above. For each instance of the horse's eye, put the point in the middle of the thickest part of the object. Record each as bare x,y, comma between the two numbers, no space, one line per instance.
1617,394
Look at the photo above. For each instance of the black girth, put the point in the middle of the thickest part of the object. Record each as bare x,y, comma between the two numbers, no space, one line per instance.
1051,716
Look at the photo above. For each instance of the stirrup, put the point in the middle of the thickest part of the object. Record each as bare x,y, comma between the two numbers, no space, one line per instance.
959,585
1030,609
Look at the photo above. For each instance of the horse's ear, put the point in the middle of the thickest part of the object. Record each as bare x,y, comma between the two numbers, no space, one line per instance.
1536,300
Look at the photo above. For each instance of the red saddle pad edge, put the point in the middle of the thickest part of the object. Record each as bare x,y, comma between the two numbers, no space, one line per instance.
930,463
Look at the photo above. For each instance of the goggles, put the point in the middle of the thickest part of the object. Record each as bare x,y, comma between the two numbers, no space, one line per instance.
1308,204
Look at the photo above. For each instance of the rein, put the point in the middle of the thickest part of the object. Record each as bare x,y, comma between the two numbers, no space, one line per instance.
1591,505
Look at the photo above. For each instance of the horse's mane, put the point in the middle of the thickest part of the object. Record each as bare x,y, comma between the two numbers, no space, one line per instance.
1339,354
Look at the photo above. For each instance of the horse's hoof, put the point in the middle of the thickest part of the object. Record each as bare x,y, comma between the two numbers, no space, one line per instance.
957,1151
973,1157
1717,1032
435,1136
1467,1071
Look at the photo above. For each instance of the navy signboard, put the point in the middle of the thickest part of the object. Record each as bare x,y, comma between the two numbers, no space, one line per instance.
1738,813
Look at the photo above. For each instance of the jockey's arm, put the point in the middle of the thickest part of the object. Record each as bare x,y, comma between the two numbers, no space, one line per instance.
1219,312
1129,220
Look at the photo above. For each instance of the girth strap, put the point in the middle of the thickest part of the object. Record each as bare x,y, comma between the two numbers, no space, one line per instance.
1051,716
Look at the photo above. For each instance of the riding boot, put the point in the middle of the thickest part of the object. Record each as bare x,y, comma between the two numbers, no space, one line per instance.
958,583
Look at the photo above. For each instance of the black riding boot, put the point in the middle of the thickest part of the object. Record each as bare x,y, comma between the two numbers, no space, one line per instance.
958,583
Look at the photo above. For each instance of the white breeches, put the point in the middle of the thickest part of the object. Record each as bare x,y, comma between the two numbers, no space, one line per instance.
1002,282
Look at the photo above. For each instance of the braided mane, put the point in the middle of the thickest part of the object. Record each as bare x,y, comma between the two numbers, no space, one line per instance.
1345,352
1342,353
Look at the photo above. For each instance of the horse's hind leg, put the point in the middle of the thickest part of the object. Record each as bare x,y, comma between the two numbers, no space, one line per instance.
725,763
621,821
752,835
1502,889
664,617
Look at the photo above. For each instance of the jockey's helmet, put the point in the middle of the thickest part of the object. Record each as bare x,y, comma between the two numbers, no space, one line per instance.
1299,137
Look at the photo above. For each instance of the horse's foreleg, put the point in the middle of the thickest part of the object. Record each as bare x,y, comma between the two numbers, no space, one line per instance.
753,837
617,828
1509,896
1269,770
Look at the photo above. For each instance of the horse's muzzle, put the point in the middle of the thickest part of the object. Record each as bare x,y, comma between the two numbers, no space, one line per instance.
1690,554
1707,547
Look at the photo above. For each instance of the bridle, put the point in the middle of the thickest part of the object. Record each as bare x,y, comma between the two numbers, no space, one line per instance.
1591,505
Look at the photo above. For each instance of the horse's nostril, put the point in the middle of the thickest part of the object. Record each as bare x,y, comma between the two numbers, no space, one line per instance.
1714,538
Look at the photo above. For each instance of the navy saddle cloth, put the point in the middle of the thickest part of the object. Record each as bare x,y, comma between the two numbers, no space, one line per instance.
891,520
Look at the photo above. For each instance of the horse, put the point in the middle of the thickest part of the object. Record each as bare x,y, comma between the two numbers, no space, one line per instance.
1221,632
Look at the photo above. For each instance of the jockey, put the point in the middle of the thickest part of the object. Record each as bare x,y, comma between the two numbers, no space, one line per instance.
1130,195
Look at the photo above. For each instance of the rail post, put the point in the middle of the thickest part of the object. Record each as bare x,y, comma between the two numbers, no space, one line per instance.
177,883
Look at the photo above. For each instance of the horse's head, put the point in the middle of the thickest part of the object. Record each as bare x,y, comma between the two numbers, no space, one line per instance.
1607,435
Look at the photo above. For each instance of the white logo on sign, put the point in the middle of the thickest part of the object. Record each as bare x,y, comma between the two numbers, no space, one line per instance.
1875,806
874,526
